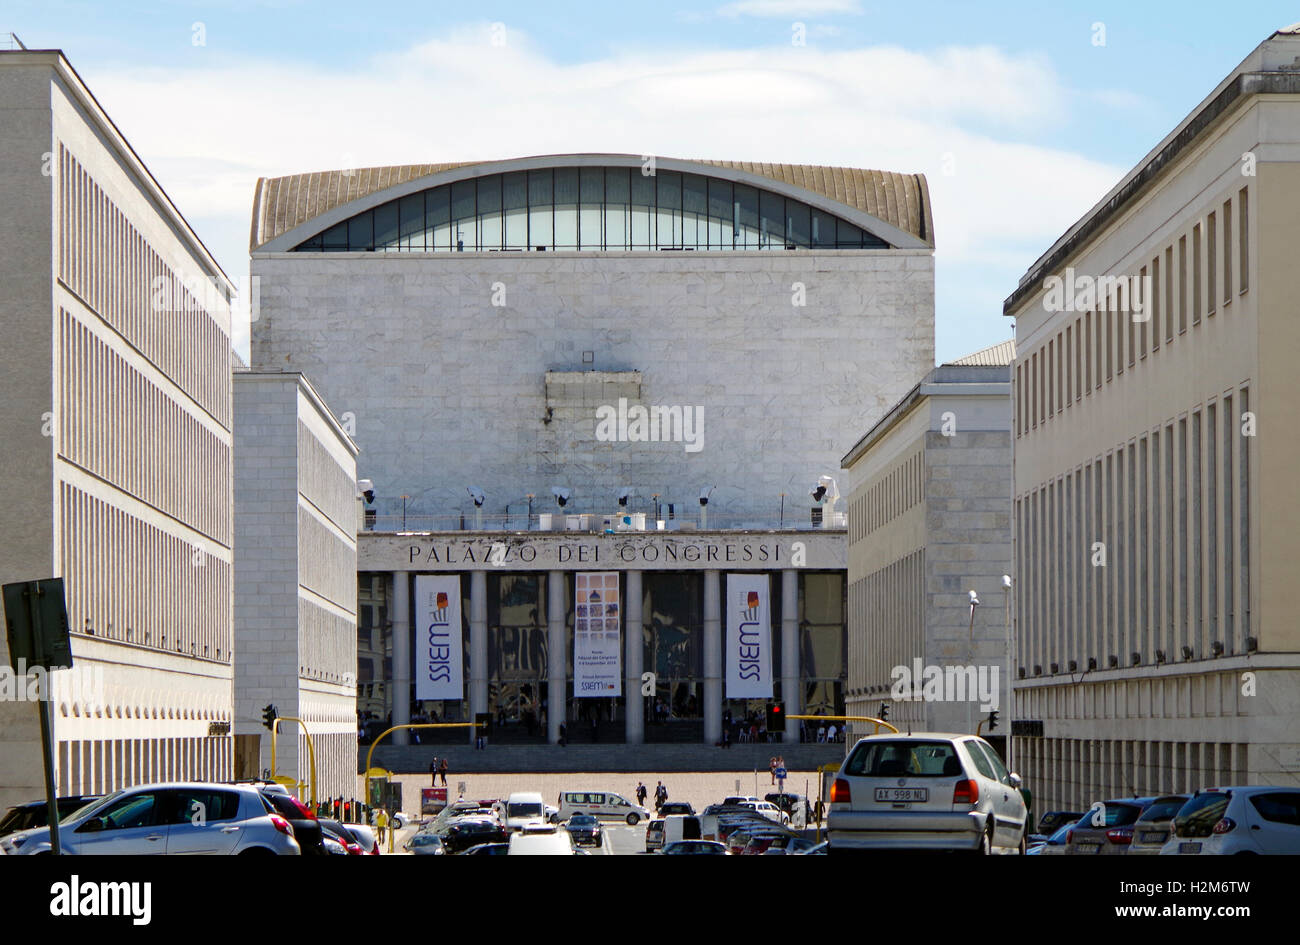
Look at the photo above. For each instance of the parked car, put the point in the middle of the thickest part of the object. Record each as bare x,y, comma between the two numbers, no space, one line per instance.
817,850
425,843
693,848
789,846
1107,828
487,849
469,832
541,840
606,805
740,839
523,808
36,813
584,828
654,836
676,807
306,827
365,836
925,791
341,834
795,805
1237,820
1053,821
1053,845
768,810
174,817
1152,828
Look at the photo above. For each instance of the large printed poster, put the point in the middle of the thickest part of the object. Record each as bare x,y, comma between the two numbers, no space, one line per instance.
749,636
438,641
597,635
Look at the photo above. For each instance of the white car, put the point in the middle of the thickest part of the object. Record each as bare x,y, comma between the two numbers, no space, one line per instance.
1236,820
604,805
541,840
768,810
925,791
179,817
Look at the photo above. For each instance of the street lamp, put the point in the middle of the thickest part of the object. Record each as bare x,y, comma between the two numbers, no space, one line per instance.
1011,699
970,657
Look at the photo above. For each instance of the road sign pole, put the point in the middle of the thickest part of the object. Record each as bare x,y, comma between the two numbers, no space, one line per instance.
45,706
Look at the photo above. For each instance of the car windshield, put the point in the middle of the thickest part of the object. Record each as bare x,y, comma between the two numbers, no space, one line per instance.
582,819
523,810
896,759
87,808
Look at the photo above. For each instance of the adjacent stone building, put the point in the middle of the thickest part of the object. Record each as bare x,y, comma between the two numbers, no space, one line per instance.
296,518
1157,531
930,521
115,420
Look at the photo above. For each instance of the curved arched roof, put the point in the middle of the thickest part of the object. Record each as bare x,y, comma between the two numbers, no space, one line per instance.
282,205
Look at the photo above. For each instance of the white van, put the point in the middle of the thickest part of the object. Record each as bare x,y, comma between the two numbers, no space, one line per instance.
541,841
603,805
523,808
682,827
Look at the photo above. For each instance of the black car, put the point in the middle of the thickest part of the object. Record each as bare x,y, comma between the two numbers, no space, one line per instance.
36,813
306,828
472,833
584,828
1054,820
676,807
488,849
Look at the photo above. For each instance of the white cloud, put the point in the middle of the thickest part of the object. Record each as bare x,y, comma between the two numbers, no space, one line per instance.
772,8
209,133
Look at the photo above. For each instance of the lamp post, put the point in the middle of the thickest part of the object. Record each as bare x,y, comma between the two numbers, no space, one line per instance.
1010,712
970,658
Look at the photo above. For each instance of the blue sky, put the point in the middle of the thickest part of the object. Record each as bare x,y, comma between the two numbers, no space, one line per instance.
1019,117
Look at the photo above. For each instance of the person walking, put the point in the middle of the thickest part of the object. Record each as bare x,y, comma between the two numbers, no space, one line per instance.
433,771
381,823
641,793
442,770
771,767
661,795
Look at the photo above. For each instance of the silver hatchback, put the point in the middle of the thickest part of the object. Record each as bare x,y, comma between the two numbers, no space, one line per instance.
925,791
174,818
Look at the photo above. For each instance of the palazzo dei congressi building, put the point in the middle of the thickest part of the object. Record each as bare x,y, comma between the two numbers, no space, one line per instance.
517,345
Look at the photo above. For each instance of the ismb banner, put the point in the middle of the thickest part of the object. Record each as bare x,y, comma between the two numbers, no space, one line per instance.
438,643
597,635
749,636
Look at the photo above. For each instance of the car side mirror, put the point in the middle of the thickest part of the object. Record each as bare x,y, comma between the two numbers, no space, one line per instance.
94,825
1014,780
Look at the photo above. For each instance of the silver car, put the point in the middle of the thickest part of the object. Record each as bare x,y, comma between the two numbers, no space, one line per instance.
925,791
173,818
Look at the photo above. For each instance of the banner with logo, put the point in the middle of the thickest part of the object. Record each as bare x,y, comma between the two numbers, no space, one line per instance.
597,635
438,641
749,636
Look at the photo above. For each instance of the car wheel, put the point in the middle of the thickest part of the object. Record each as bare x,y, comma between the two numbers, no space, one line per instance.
632,819
986,841
555,818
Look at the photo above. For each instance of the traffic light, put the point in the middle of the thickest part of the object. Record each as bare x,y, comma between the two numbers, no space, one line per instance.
993,720
776,717
884,711
483,723
269,715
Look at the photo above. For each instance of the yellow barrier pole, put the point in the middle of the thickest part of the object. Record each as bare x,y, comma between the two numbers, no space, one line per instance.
371,754
311,751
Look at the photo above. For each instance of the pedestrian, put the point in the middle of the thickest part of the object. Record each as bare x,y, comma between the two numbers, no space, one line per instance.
442,770
831,732
661,795
433,771
381,823
726,738
771,767
564,735
821,732
640,793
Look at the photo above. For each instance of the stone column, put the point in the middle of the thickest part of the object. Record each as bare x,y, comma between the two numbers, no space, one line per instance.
791,690
400,608
478,662
712,658
557,646
633,659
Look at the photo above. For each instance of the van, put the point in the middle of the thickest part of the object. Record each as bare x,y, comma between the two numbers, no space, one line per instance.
523,808
603,805
541,841
682,827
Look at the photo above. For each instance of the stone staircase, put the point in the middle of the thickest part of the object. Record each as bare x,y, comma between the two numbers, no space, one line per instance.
665,758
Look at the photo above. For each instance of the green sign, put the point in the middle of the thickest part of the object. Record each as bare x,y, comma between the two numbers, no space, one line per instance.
36,624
